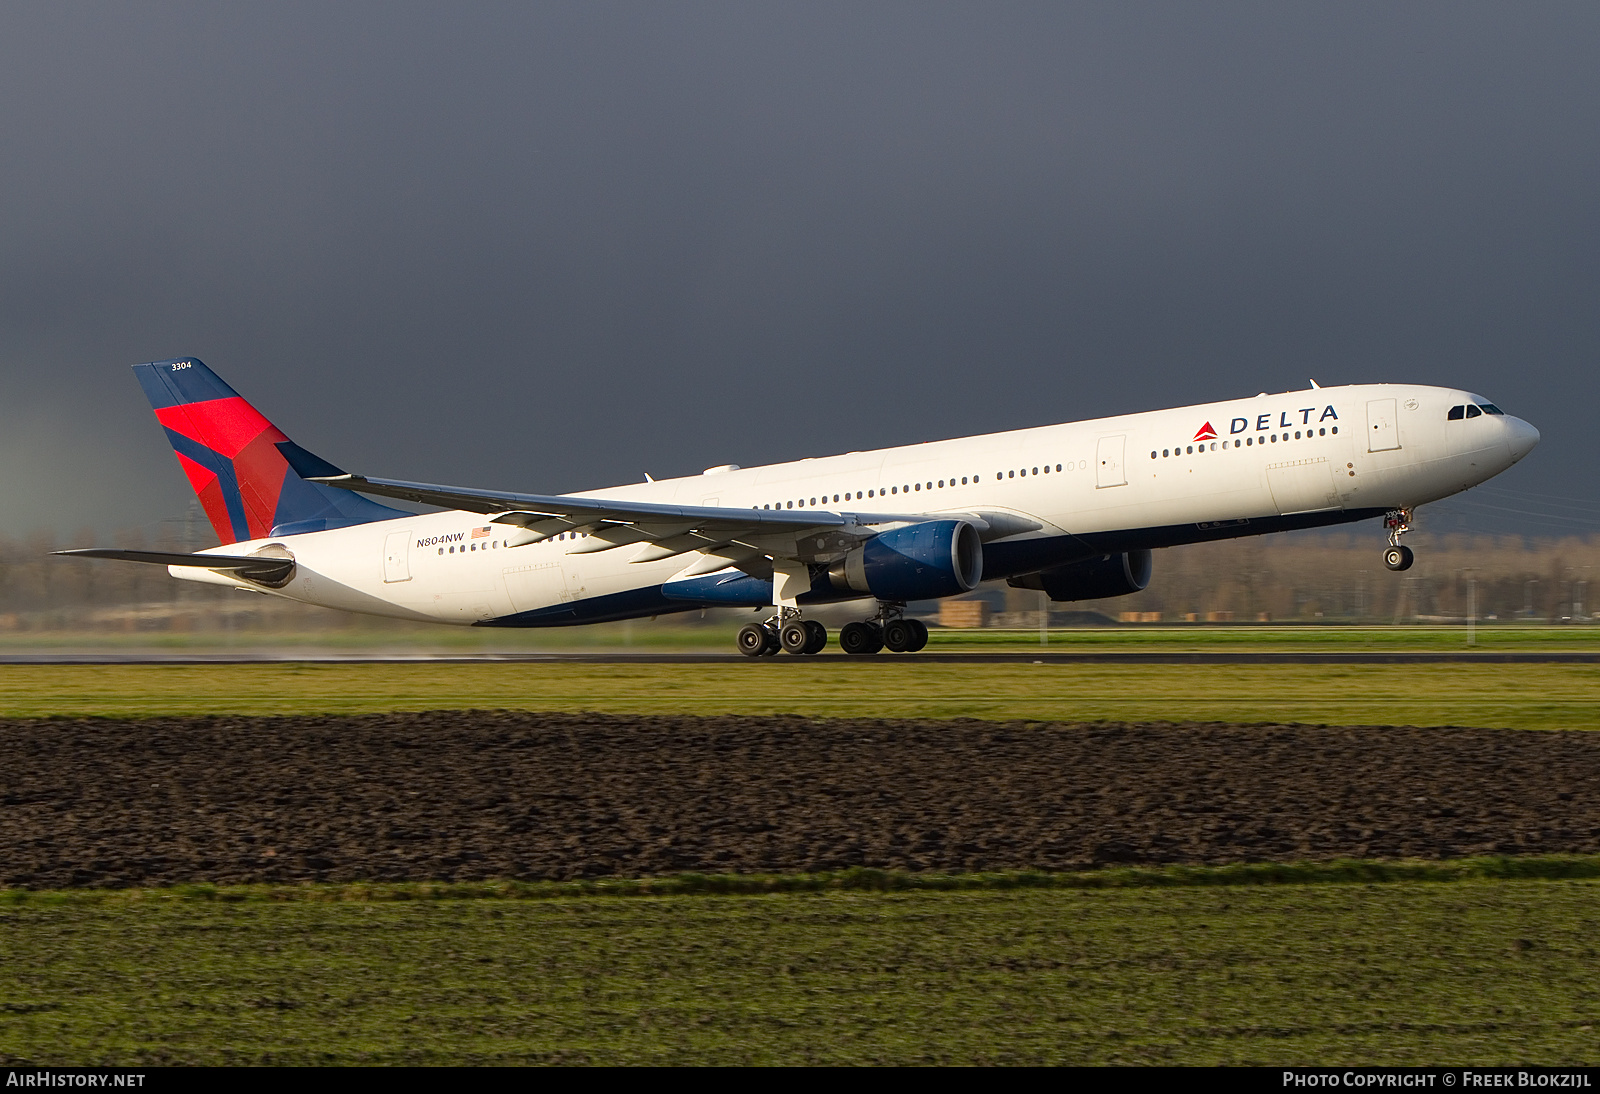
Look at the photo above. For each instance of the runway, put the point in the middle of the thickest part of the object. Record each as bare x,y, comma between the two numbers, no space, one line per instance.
1010,657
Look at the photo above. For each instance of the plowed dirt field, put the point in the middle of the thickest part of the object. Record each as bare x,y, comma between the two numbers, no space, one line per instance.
453,795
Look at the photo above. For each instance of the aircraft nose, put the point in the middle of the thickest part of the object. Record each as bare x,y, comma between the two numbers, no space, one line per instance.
1520,436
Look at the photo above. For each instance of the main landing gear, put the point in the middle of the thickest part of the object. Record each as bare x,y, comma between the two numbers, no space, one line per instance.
1396,557
785,631
888,629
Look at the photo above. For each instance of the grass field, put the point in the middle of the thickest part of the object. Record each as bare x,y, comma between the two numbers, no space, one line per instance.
1407,972
1462,973
1510,696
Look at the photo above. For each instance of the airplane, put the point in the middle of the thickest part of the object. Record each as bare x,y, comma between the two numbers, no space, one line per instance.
1074,510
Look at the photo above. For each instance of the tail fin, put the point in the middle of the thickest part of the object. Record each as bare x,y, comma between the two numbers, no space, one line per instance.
235,459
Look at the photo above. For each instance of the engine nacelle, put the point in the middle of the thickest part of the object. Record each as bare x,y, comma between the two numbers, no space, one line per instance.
1091,579
918,562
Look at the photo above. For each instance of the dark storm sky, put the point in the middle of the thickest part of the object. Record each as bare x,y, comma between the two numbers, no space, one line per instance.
555,246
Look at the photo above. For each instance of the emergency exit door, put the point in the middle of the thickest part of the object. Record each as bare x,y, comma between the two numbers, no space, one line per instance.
395,565
1109,470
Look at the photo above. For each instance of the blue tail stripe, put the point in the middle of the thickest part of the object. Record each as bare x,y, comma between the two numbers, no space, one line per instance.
223,467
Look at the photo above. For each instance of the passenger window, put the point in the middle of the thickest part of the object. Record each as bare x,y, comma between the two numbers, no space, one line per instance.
1473,412
1456,414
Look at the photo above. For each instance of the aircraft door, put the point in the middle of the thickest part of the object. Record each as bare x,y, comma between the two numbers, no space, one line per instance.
396,566
1383,426
1109,469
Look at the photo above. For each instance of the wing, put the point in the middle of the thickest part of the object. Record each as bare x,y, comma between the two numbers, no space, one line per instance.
726,536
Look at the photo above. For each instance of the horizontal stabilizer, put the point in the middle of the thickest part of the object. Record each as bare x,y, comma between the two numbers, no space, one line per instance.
263,568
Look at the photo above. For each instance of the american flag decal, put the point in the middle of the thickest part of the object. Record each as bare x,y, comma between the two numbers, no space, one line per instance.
480,533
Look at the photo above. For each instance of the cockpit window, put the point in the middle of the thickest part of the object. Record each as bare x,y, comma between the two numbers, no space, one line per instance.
1490,408
1456,413
1473,412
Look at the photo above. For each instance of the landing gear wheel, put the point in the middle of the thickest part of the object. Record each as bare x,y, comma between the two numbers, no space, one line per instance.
899,636
919,635
819,636
795,636
1398,558
753,639
860,638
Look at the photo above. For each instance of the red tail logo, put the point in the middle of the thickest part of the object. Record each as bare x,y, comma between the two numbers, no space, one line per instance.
1206,433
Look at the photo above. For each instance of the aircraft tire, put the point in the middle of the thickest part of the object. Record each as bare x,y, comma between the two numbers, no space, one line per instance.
1398,558
752,639
819,637
794,636
860,638
899,636
919,633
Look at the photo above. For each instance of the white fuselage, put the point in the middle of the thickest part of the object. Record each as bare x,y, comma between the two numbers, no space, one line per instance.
1299,459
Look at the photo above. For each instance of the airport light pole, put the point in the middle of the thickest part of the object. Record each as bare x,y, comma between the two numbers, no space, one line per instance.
1472,608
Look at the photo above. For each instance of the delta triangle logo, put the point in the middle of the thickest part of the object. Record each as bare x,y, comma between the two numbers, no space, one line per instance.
1206,433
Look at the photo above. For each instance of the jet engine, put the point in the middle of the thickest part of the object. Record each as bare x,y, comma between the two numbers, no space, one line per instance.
1091,579
918,562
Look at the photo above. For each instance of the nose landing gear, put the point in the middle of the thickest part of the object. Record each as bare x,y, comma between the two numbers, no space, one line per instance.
1396,557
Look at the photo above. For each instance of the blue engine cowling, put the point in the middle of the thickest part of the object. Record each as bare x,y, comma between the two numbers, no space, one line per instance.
1091,579
918,562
